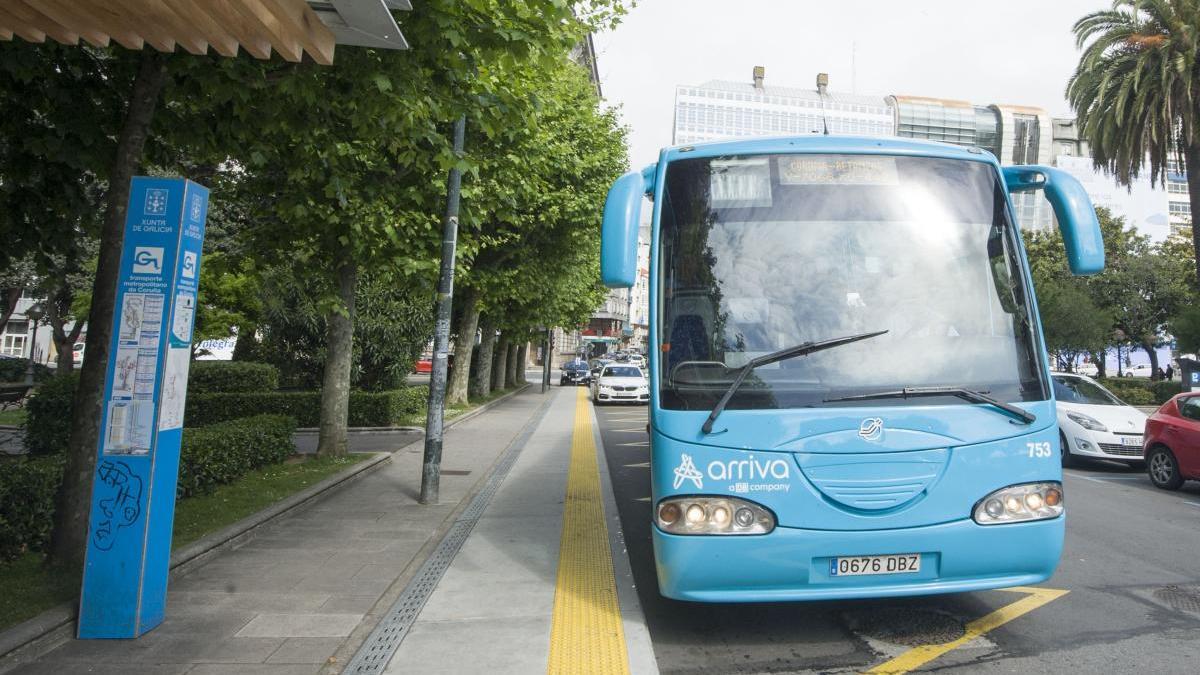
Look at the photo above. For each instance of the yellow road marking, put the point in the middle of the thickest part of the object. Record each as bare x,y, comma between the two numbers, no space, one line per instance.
919,656
585,634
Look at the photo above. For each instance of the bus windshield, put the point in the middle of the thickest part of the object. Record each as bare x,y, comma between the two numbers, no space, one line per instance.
759,253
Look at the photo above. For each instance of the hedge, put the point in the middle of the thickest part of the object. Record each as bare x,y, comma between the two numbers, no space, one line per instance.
367,409
13,370
210,456
48,415
231,376
27,491
221,453
1134,391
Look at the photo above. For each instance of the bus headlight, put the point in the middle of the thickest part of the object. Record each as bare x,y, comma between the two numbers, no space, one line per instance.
712,515
1020,503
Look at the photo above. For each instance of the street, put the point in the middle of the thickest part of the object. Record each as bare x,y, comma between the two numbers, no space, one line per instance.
1130,569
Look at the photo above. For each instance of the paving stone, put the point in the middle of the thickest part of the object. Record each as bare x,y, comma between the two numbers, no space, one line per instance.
301,625
306,650
256,669
496,646
349,604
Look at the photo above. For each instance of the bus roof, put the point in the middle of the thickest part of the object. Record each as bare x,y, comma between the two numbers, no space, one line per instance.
819,143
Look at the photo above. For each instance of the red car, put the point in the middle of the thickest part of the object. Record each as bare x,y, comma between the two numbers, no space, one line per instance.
1173,442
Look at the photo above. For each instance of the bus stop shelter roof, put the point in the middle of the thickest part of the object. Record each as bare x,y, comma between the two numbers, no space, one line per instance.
290,28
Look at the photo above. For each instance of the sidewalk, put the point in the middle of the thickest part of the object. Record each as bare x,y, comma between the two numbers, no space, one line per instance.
310,588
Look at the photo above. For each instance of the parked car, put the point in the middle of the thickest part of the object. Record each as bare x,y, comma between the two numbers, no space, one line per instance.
575,372
1137,370
1094,423
619,382
1173,442
637,360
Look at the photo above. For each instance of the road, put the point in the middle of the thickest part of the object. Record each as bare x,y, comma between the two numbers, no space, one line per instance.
1131,569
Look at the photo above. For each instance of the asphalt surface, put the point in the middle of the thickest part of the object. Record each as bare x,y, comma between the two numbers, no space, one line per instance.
1131,565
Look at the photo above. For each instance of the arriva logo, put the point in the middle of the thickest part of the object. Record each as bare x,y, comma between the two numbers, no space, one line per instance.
748,469
687,471
871,429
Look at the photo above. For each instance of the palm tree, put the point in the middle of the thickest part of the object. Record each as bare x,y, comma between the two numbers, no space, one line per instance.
1137,88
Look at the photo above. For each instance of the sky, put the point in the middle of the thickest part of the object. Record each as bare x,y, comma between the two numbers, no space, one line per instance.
1016,52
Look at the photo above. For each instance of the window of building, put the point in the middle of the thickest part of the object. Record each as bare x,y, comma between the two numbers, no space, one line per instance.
1026,136
1179,208
15,335
1177,187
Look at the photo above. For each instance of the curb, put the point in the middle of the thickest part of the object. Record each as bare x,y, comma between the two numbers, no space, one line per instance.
38,635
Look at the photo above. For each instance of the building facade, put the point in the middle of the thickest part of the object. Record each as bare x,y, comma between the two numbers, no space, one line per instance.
1015,134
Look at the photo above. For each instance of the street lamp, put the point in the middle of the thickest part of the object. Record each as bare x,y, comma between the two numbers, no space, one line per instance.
34,314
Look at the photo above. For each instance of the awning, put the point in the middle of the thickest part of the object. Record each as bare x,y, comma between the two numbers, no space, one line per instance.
290,28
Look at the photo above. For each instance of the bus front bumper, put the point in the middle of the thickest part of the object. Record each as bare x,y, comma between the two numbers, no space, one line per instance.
794,564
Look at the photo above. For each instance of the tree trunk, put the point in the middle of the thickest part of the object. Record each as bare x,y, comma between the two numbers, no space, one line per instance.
1191,156
481,381
244,348
500,362
464,343
510,371
332,438
74,500
1098,358
1153,354
64,342
522,355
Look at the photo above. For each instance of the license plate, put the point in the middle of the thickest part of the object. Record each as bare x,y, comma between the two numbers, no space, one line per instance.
905,563
1134,441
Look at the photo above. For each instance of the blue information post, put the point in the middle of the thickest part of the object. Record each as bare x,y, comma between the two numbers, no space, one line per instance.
133,499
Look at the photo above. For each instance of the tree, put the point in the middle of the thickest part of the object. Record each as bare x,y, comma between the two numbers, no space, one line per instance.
1136,91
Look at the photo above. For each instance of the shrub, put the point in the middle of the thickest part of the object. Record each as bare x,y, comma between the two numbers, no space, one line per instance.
221,453
1134,391
367,409
1164,390
49,414
27,491
13,370
231,376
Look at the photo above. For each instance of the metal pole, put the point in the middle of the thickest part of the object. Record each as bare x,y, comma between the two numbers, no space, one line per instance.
431,468
546,362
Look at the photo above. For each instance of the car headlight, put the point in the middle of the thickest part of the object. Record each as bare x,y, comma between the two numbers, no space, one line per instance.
712,515
1086,422
1020,503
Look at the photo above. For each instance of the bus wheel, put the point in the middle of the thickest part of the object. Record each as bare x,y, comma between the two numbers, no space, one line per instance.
1068,460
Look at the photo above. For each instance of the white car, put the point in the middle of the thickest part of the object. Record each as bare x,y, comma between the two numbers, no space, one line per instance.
620,382
1094,423
637,360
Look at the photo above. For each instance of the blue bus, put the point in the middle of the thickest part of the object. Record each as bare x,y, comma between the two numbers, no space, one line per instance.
850,391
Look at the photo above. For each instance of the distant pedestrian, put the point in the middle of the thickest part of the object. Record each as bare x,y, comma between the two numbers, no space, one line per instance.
1160,375
1170,371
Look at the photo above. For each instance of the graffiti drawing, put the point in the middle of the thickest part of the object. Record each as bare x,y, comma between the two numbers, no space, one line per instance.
120,501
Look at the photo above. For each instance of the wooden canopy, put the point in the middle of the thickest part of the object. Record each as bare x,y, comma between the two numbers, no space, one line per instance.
289,27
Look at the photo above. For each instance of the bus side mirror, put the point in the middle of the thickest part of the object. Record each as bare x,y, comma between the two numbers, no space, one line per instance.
1073,209
618,235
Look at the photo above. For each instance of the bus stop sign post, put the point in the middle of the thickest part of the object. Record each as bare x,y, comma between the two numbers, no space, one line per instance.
133,499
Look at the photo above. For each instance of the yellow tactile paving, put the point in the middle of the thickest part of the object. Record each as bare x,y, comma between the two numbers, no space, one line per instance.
585,634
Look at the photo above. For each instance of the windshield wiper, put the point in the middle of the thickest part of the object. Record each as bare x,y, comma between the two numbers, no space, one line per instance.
802,349
961,392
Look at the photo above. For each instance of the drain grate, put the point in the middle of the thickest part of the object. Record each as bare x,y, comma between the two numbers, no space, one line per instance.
1182,598
907,626
375,653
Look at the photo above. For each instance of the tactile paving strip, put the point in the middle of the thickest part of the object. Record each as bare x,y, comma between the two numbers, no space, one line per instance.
379,647
586,635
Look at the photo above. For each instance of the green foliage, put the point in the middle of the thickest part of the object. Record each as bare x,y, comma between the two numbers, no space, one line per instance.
27,489
367,409
48,420
1143,286
220,453
13,370
1134,391
1186,329
1165,389
206,377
